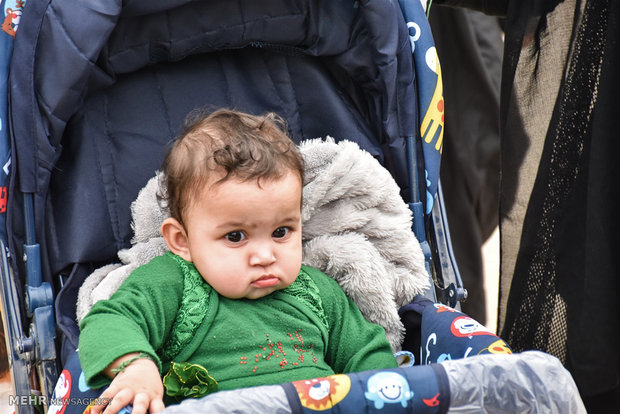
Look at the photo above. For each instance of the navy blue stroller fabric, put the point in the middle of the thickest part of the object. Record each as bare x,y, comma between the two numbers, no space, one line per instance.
71,394
420,389
436,333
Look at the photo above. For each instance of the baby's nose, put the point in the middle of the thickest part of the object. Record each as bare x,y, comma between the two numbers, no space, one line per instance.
262,254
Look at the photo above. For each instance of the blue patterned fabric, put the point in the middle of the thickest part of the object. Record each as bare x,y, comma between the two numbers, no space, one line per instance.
418,389
430,93
447,334
11,15
71,394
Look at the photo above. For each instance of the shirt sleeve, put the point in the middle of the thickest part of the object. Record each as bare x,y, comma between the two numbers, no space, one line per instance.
354,344
136,318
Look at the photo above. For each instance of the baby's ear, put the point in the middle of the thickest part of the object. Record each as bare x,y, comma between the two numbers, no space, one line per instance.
176,238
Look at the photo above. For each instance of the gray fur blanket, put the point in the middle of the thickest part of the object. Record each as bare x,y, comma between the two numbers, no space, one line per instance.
356,228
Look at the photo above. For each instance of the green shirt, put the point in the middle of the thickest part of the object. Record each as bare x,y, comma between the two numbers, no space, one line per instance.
310,329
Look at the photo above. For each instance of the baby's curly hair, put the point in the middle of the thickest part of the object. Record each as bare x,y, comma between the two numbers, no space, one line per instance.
225,144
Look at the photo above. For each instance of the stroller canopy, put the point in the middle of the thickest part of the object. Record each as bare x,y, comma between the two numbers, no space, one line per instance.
99,88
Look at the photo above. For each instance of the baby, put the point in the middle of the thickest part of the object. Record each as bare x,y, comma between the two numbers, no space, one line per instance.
230,305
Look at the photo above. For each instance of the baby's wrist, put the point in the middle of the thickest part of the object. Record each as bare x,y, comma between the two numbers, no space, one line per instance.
121,364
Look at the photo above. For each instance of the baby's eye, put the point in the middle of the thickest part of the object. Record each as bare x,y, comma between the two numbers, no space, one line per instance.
280,232
235,236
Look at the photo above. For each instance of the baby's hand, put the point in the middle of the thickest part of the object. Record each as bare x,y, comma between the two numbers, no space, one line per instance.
138,384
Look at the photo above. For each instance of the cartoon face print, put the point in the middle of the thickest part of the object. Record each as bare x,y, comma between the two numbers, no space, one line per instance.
388,387
320,394
319,390
464,326
443,308
3,199
12,16
61,391
414,34
498,347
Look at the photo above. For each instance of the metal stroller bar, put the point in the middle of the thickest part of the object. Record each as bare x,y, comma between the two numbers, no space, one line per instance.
39,304
417,208
447,285
20,347
451,291
31,247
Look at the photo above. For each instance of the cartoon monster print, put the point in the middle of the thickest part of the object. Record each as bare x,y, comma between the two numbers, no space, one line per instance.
12,16
388,387
61,393
464,326
320,394
497,347
440,307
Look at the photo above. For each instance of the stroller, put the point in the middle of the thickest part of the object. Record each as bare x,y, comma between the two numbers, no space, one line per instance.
97,89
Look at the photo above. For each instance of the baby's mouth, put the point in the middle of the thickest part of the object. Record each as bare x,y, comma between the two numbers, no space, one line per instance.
265,281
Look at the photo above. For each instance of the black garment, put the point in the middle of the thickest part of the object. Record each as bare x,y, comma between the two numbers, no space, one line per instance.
469,45
561,160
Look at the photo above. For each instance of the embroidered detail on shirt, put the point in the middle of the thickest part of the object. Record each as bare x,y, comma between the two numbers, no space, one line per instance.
276,351
306,290
299,347
185,380
193,309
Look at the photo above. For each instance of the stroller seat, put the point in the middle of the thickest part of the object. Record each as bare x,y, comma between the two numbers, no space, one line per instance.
98,88
356,227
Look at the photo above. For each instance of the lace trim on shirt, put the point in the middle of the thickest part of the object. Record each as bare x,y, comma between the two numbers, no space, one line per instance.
307,291
194,305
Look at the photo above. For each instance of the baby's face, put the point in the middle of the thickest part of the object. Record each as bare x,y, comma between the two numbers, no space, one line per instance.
245,240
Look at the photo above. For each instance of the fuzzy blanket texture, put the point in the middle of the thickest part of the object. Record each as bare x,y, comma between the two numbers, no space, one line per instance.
356,228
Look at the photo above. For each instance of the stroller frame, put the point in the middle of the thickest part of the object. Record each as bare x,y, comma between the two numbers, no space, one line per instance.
34,353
